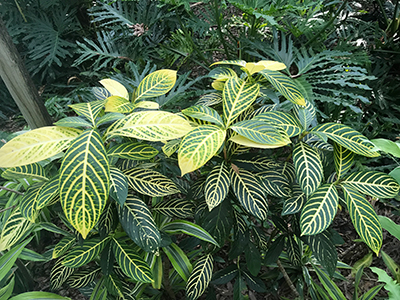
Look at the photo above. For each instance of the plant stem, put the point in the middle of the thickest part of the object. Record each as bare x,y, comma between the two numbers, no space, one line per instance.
8,208
383,12
10,190
288,281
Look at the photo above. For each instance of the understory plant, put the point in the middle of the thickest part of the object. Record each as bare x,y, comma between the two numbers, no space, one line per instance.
150,202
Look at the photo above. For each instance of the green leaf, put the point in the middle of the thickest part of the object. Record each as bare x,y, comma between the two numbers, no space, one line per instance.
6,291
274,183
100,291
63,246
199,146
48,192
149,182
81,255
179,260
90,110
391,286
319,210
347,137
343,159
83,278
225,275
284,85
31,255
74,122
39,296
392,266
294,204
84,181
329,285
261,132
222,73
171,147
138,223
281,119
370,295
118,186
204,113
28,203
305,114
387,146
199,278
308,165
109,117
156,84
210,99
217,185
372,183
15,227
293,250
151,126
186,227
131,264
364,218
36,145
134,151
7,260
107,221
237,95
32,171
175,208
390,226
59,274
118,105
253,259
249,193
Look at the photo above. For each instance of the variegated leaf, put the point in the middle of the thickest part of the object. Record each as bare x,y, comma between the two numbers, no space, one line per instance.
274,183
218,85
199,146
131,263
63,246
263,109
109,117
108,220
347,137
210,99
319,210
138,223
75,122
151,126
199,278
149,182
281,119
118,186
295,203
249,193
305,114
147,105
156,84
217,185
179,260
90,110
15,227
343,159
100,93
48,193
36,145
118,104
134,151
175,208
83,278
171,147
309,171
28,203
284,85
81,255
241,63
32,171
84,181
244,141
222,73
204,113
364,218
59,274
115,88
373,183
293,250
237,95
253,162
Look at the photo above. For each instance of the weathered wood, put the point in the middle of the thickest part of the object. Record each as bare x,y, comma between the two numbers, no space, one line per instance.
19,83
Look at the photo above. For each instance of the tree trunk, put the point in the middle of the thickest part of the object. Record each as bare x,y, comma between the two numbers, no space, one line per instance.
19,83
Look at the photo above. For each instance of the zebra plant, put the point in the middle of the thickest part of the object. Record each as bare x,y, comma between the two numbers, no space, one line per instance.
259,164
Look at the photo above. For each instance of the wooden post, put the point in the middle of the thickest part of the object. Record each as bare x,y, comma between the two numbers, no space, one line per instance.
19,83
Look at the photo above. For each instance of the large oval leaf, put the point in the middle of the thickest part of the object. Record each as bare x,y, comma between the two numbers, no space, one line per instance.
81,255
156,84
347,137
36,145
204,113
199,146
281,119
364,218
134,151
118,105
343,158
319,211
199,278
115,88
151,126
372,183
217,185
84,181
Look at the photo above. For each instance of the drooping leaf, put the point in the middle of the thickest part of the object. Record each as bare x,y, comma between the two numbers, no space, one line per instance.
319,210
175,208
204,113
32,171
90,110
63,246
156,84
28,203
222,73
83,278
364,218
36,145
118,104
171,147
8,259
75,122
199,146
84,181
295,203
118,186
59,274
179,260
199,278
274,183
14,228
81,255
343,159
217,185
115,88
134,151
281,119
210,99
47,193
138,223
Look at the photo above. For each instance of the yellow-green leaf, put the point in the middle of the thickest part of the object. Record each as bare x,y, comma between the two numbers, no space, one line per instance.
147,105
200,277
156,84
90,110
241,140
119,105
115,88
343,158
222,73
13,229
134,151
32,170
217,185
81,255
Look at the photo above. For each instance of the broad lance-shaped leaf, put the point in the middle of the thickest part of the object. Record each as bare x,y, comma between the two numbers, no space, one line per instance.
131,264
364,218
175,208
149,182
81,255
210,99
281,119
199,146
284,85
373,183
83,278
32,171
217,185
305,114
15,227
171,147
114,88
138,223
222,73
249,193
199,278
261,132
309,171
320,210
204,113
343,159
295,203
63,246
134,151
74,122
59,274
48,193
237,97
28,203
84,181
119,105
8,259
118,186
36,145
244,141
90,110
156,84
274,183
347,137
152,126
179,260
